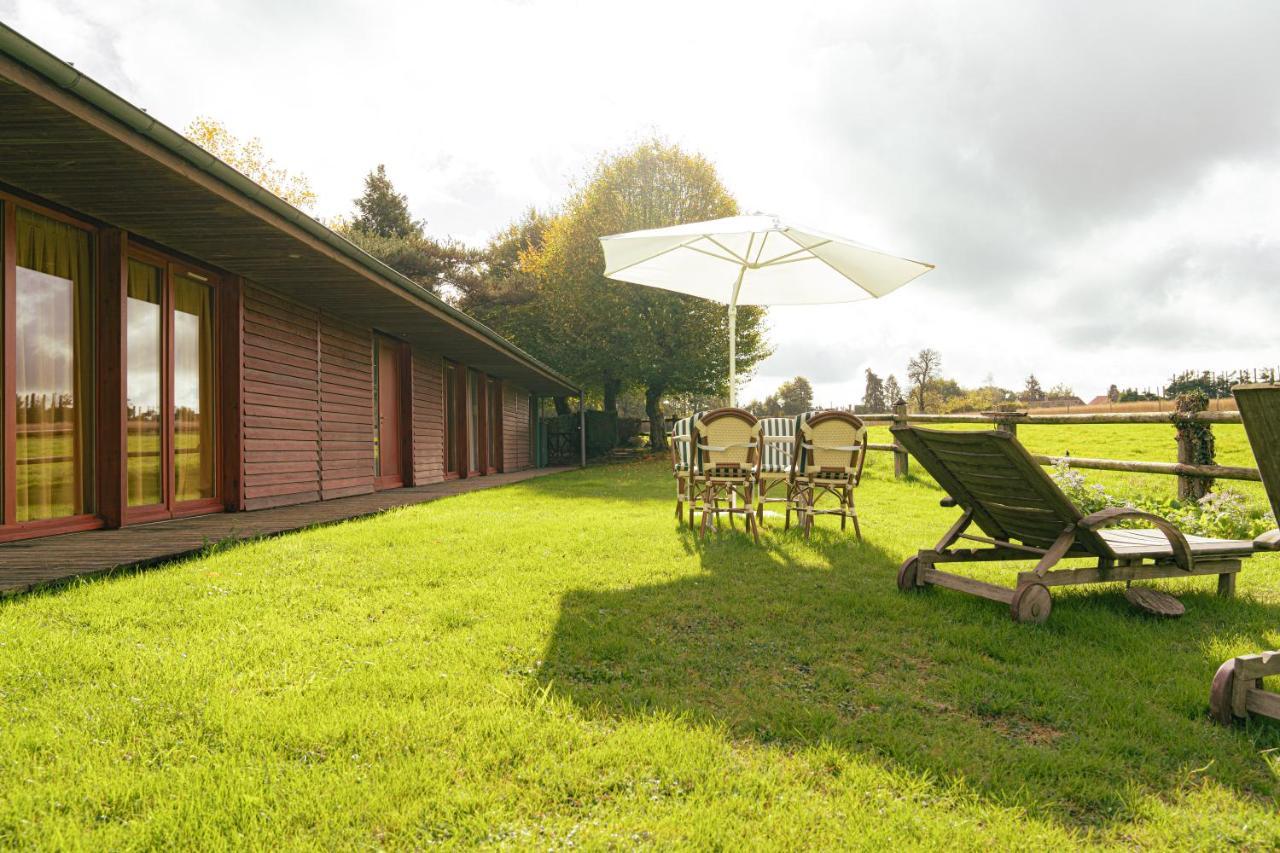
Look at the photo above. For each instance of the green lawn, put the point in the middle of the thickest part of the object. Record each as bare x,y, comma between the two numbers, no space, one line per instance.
557,663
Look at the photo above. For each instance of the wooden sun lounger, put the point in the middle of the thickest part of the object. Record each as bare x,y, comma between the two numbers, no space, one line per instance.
1021,514
1237,690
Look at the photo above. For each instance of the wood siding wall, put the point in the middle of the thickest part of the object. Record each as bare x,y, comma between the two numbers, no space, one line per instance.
281,401
346,409
308,407
515,428
428,418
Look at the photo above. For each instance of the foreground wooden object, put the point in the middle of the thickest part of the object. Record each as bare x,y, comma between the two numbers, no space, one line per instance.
1025,516
1237,688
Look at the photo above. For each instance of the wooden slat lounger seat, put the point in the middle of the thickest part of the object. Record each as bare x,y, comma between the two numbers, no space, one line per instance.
1023,515
1237,690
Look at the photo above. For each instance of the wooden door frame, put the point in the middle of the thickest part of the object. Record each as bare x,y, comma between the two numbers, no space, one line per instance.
455,422
494,393
10,527
404,393
170,267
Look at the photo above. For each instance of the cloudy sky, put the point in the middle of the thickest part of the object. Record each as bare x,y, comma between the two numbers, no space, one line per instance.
1098,184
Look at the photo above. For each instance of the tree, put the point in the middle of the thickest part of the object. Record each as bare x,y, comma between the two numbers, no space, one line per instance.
1032,393
873,399
383,227
610,334
922,372
383,212
249,159
795,396
1113,393
1061,391
892,393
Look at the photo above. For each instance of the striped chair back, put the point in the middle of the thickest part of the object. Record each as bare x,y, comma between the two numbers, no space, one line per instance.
681,441
777,444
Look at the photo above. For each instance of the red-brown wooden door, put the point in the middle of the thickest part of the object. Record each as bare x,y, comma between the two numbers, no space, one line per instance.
389,412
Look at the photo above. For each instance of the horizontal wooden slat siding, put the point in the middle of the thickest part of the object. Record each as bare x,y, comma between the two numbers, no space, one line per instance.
281,439
428,418
515,428
346,409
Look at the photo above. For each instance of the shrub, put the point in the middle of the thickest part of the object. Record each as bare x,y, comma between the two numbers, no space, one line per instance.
1224,514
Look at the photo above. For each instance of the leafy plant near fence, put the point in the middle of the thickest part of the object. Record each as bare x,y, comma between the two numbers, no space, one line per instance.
1225,514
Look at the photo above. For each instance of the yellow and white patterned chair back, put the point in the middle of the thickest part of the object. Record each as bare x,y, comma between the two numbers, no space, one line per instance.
833,444
728,440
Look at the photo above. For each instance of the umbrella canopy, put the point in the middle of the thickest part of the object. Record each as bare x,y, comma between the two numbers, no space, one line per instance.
755,260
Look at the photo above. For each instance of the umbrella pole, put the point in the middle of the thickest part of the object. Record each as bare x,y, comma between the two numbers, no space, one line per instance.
733,351
733,336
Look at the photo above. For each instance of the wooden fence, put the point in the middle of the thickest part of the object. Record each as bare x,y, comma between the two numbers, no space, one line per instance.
1011,421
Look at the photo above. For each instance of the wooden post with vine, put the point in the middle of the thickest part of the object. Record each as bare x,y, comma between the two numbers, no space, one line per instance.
1195,442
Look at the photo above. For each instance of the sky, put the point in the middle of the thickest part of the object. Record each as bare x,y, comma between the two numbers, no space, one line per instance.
1098,184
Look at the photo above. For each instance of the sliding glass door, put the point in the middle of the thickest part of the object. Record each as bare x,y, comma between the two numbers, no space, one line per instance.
48,333
170,385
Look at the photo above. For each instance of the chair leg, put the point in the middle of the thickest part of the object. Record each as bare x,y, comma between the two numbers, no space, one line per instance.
679,510
1227,584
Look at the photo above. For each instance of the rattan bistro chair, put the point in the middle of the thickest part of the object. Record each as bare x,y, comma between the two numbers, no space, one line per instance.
774,466
680,443
831,449
727,442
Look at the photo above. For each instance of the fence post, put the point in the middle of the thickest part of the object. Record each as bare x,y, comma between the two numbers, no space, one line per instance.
900,457
1007,421
1195,443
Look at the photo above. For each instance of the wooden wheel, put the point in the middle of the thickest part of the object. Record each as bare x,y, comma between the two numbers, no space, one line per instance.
907,574
1220,693
1031,603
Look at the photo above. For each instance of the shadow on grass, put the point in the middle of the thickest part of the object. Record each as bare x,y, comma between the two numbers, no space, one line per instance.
795,644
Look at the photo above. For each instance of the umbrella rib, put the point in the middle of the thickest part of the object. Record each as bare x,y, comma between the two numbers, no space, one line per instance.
732,253
655,255
783,258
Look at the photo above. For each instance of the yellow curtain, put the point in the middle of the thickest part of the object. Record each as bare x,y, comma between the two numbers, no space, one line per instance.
194,390
54,362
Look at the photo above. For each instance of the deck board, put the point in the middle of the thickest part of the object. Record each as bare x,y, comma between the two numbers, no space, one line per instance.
33,563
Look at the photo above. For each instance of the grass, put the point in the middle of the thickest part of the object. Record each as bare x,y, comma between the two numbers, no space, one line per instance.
557,663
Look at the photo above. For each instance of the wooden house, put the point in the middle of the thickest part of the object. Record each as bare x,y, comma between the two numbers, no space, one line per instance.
179,341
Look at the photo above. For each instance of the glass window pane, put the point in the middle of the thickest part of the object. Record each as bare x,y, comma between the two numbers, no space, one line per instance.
473,421
450,418
377,413
144,468
53,361
194,389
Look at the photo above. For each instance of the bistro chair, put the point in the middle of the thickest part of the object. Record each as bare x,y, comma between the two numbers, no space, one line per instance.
680,443
773,472
727,442
831,448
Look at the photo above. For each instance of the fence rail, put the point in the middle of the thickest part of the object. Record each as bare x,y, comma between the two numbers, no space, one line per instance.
1009,422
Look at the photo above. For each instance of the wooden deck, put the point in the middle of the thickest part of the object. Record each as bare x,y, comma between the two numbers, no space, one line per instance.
34,563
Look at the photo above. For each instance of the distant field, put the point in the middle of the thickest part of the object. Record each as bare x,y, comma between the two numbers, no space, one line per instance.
1227,404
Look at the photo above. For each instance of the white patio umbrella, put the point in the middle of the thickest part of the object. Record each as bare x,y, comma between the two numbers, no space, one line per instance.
755,260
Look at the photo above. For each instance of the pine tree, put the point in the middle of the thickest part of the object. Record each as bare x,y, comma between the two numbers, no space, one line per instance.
873,398
892,393
383,212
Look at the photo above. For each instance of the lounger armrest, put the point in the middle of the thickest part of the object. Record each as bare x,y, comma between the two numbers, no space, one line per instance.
1109,517
948,502
1269,541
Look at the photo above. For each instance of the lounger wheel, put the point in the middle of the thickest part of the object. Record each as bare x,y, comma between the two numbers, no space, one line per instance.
1220,693
1031,603
907,574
